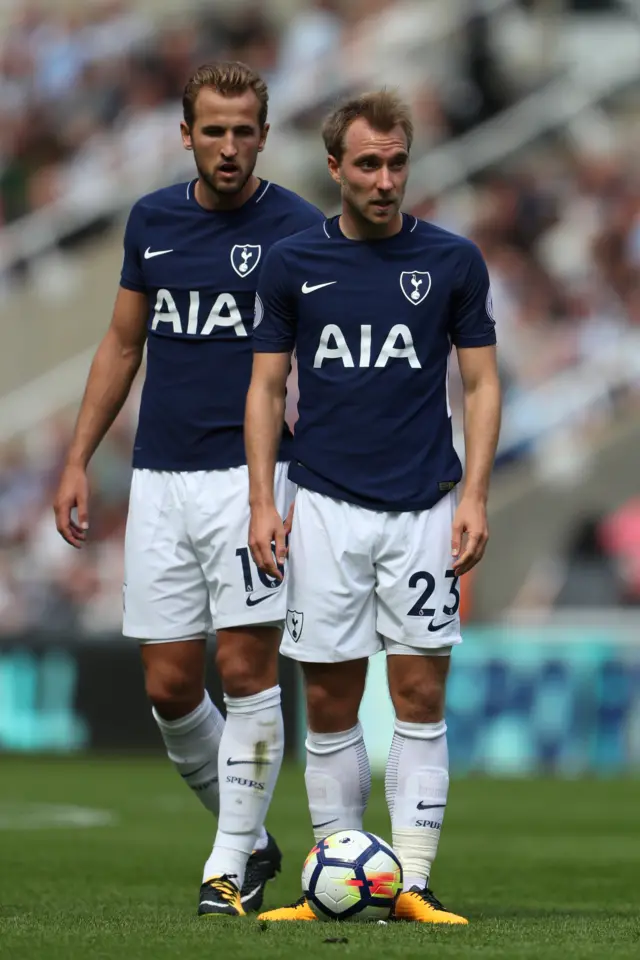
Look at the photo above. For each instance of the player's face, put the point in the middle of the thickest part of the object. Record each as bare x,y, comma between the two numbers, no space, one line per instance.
373,172
226,139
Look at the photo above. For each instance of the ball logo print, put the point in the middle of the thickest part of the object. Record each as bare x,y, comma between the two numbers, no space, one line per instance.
245,258
352,875
415,284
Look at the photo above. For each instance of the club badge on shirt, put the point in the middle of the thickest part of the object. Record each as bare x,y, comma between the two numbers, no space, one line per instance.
245,258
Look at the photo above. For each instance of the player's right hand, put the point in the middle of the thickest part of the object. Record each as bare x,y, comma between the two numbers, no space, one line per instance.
73,492
288,524
265,529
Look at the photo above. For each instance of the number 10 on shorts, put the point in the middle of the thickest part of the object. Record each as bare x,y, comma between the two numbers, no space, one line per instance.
246,562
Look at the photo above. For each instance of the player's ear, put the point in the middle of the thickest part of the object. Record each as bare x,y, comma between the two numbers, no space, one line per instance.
334,169
263,137
185,133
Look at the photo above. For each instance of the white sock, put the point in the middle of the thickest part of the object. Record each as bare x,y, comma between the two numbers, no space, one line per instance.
416,786
248,764
338,780
262,839
192,743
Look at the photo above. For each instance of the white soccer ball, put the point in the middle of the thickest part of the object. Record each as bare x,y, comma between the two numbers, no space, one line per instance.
351,875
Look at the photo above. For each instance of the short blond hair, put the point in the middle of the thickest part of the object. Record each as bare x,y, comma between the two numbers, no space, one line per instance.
382,109
231,78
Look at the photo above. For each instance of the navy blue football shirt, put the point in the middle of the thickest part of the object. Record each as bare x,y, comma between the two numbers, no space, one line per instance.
200,269
372,323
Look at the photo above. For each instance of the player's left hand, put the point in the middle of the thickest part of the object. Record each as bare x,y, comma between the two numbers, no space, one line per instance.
265,529
469,534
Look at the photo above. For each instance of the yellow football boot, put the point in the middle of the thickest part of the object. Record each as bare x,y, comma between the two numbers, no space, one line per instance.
300,910
220,896
420,906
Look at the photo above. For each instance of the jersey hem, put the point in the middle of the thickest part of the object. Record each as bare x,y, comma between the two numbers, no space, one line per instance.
326,489
162,466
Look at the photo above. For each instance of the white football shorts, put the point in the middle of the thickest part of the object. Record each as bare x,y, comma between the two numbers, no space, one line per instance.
188,569
361,581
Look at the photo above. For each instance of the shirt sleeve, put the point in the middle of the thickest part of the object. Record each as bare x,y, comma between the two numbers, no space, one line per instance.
132,274
312,217
472,323
275,322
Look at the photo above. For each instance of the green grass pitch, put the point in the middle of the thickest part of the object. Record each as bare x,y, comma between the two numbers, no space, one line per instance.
543,869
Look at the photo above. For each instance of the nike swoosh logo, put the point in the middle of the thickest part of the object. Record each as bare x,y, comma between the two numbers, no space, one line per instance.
148,254
213,903
433,628
430,806
318,286
316,826
192,773
250,894
253,603
258,763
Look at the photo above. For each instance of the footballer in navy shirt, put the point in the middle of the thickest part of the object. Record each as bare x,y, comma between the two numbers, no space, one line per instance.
193,254
372,302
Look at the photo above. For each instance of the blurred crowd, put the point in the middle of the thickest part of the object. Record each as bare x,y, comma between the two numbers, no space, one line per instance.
84,90
87,94
82,93
559,228
45,584
560,232
597,568
561,237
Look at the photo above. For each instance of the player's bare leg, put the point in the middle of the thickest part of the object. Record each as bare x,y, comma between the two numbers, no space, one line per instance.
190,724
337,774
192,728
417,780
244,857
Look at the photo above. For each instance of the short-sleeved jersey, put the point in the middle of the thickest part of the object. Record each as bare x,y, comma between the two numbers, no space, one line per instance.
199,269
372,323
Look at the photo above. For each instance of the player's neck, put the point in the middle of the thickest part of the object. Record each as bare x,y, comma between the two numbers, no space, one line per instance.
354,227
211,200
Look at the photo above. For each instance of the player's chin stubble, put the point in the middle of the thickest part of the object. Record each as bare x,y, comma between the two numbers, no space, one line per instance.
379,215
363,209
224,188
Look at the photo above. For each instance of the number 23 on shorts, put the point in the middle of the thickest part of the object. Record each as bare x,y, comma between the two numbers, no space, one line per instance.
426,582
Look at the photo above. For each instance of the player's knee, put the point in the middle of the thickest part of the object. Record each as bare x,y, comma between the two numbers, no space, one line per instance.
328,713
419,700
173,691
241,676
333,693
247,659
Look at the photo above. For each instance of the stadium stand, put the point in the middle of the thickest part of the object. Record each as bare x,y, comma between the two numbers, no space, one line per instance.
519,146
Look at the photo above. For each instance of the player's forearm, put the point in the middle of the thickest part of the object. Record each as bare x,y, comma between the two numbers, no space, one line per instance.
264,419
482,411
110,377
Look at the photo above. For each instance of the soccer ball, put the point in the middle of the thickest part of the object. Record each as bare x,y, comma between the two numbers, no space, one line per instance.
351,875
